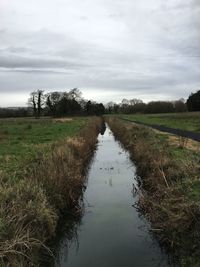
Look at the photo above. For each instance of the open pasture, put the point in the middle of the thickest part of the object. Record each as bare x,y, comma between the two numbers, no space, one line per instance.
189,121
22,138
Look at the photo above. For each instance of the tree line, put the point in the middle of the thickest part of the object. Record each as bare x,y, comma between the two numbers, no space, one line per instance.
58,104
71,103
193,101
14,112
138,106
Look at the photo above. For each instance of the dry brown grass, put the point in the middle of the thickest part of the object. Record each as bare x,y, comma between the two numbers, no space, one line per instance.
163,194
181,142
62,119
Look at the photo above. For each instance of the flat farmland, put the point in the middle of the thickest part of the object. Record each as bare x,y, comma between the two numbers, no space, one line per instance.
189,121
21,139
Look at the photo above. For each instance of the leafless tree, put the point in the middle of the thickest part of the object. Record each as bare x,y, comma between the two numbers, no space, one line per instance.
36,101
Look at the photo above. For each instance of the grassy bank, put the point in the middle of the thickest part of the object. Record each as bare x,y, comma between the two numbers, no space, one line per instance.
42,172
186,121
170,191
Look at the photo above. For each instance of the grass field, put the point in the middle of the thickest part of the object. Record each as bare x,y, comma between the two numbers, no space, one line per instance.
21,139
186,121
42,168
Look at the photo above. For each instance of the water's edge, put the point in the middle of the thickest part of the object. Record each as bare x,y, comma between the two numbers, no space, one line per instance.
111,232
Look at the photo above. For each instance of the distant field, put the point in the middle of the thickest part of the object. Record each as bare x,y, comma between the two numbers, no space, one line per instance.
185,121
21,139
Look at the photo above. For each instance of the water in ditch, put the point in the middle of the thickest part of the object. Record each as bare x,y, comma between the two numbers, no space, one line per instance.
111,233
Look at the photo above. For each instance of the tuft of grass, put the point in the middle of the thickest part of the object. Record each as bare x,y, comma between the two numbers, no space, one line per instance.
194,191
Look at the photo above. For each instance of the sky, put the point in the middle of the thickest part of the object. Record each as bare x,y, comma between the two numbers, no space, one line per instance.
109,49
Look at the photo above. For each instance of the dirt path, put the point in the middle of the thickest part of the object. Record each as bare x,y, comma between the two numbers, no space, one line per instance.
188,134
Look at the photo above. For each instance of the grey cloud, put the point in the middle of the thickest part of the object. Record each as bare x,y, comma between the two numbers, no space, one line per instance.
22,62
180,5
115,15
84,18
146,47
15,50
191,4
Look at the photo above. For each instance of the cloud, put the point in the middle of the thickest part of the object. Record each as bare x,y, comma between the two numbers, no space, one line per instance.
148,48
18,62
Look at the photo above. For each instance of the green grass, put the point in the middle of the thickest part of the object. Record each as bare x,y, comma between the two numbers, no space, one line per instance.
183,157
187,121
194,193
22,139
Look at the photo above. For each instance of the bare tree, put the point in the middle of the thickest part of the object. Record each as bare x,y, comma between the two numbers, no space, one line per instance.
52,101
36,101
32,103
75,94
135,101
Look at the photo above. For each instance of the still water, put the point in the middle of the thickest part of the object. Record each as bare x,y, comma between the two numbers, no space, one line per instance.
112,232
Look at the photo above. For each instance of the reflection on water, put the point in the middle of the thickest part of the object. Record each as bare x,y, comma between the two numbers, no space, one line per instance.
111,232
103,128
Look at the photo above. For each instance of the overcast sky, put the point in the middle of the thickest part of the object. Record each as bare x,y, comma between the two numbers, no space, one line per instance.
109,49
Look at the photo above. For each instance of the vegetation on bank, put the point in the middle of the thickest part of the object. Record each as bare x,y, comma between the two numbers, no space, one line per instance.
42,171
170,190
186,121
